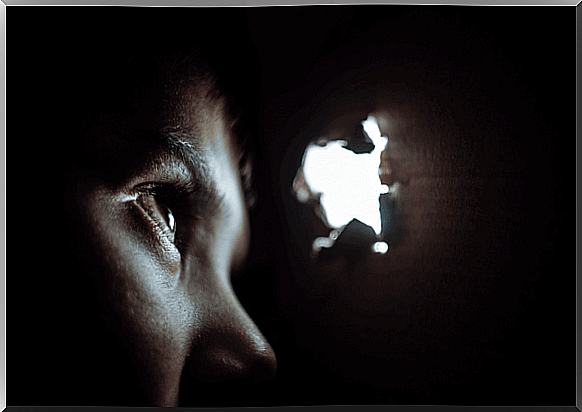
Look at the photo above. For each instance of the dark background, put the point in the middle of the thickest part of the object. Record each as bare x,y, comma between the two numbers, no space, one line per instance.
506,75
511,71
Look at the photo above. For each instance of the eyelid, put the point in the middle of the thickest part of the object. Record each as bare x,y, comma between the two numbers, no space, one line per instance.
187,201
164,172
172,176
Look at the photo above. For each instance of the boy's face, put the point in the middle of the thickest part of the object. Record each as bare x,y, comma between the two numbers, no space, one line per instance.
167,225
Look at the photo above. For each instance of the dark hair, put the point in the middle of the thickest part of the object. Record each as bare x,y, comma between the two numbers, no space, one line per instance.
102,80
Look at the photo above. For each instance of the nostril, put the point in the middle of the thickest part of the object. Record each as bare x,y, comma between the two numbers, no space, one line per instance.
261,374
228,355
243,375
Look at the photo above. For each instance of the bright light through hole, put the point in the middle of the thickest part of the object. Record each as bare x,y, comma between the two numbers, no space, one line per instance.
349,183
380,247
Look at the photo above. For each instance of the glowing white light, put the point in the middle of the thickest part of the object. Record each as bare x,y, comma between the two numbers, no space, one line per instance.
349,183
380,247
334,234
302,195
322,242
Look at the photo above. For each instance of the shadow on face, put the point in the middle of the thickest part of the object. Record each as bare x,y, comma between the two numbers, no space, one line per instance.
155,217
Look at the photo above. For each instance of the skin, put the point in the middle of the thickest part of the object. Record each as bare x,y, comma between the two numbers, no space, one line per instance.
167,297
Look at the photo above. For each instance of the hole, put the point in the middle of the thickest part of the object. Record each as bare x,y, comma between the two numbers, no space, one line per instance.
347,182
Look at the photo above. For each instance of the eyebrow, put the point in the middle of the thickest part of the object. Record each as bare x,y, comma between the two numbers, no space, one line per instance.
160,151
191,155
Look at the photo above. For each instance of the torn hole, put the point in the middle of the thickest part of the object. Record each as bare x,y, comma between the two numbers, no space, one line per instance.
342,179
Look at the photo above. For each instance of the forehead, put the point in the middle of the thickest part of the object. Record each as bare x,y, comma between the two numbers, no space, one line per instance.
147,109
169,96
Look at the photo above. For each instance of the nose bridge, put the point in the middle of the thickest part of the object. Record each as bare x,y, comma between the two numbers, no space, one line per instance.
229,344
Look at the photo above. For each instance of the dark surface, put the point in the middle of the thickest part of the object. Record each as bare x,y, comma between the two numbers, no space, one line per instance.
505,339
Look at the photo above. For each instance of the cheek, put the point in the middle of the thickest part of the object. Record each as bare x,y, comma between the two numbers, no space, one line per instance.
158,325
143,302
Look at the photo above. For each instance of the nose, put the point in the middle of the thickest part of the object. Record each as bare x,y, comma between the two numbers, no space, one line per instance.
229,360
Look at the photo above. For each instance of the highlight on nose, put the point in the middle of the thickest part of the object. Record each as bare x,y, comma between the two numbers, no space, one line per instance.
240,354
229,358
232,368
233,350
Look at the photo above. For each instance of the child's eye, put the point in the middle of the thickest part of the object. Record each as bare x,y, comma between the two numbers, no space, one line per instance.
167,215
160,214
168,208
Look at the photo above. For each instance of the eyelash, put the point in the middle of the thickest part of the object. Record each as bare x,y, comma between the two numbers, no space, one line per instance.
175,193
